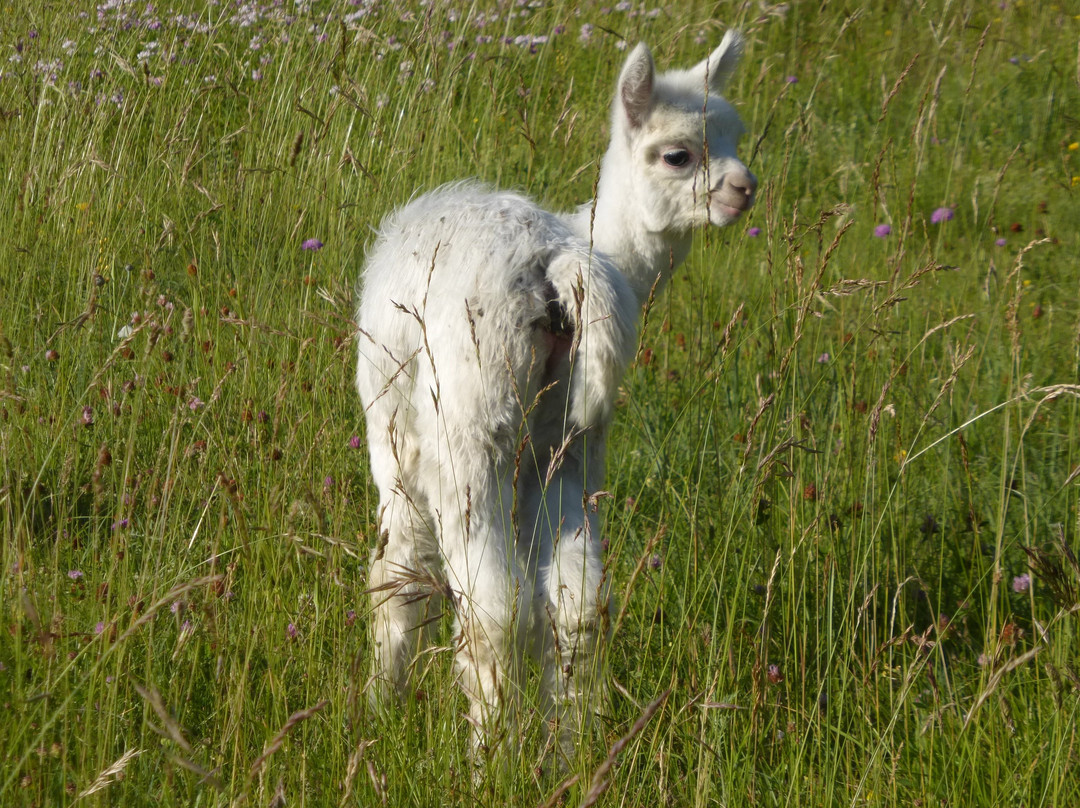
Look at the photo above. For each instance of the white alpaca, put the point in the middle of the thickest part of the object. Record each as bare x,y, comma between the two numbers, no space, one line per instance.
493,336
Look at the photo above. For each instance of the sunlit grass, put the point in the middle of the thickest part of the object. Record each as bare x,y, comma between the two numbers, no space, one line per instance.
841,474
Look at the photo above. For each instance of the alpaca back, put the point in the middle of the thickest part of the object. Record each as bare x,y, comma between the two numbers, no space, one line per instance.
458,297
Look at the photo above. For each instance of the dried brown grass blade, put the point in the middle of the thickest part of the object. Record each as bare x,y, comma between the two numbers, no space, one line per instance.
996,678
600,781
105,779
279,739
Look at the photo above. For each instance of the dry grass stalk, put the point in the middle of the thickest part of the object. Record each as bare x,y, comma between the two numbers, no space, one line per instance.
556,796
110,773
167,599
896,87
172,728
875,413
975,58
1012,308
996,678
600,780
958,361
763,405
351,770
849,286
645,556
279,739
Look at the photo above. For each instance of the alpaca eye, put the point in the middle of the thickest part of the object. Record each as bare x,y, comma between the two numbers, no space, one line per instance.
677,158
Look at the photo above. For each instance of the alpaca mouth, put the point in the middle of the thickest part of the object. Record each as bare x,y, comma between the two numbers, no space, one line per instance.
722,213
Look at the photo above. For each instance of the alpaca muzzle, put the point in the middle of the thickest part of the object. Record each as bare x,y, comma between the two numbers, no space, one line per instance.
734,193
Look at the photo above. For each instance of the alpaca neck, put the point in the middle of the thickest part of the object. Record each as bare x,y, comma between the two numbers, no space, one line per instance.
616,225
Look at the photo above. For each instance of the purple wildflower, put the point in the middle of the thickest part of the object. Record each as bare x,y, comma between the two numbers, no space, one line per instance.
754,232
100,627
791,80
75,574
823,358
882,230
291,631
941,215
354,442
656,562
87,415
195,403
1001,242
312,244
1021,583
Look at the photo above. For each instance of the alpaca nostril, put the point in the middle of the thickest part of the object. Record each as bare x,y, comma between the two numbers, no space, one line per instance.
745,185
738,187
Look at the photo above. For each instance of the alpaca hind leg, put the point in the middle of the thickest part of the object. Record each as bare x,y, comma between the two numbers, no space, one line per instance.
491,600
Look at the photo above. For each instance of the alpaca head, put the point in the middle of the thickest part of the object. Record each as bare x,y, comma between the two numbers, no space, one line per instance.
676,137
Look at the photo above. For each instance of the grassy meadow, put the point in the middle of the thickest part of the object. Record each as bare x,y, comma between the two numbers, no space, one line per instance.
843,519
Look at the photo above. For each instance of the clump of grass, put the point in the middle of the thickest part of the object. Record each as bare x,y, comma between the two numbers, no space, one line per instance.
843,514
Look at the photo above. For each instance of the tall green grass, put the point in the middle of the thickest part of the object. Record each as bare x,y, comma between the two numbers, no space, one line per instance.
834,459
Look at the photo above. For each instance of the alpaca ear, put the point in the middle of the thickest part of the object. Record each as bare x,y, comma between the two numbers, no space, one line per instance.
636,85
721,64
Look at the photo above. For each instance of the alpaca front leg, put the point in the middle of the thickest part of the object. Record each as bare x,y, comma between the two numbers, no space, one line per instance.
576,610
